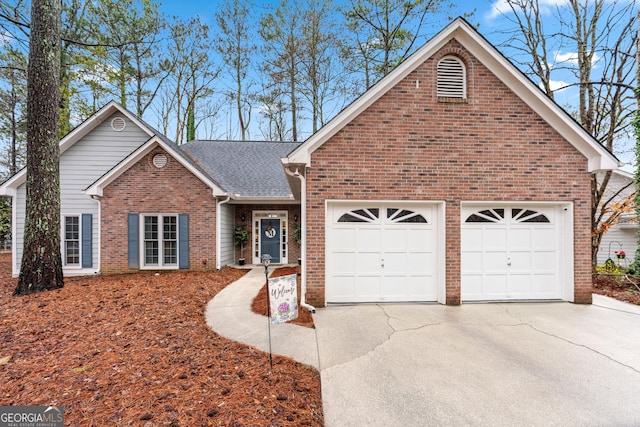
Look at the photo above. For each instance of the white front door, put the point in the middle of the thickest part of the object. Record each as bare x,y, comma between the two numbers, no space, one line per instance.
380,252
511,253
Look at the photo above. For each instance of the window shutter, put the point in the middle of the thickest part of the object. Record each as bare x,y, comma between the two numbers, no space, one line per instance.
451,78
183,241
134,241
87,240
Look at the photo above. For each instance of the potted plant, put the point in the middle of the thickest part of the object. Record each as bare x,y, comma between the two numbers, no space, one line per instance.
241,235
297,237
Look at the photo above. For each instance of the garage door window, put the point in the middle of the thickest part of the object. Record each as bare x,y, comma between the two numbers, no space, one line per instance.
394,215
498,216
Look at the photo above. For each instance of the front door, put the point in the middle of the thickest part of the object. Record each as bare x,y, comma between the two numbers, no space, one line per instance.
270,238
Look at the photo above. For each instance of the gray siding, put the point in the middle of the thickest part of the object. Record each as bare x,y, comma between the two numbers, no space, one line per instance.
226,213
81,165
618,235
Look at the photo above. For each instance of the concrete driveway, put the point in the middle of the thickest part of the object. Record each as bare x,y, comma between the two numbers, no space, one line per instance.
535,364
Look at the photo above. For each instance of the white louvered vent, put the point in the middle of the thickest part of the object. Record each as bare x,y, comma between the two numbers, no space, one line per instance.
451,78
118,124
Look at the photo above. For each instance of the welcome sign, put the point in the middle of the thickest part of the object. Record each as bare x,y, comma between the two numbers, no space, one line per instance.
283,299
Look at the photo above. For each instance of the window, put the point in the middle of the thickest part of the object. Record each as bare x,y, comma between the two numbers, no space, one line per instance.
497,215
451,78
72,240
160,240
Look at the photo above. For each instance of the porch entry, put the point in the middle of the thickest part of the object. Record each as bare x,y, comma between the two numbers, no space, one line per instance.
270,236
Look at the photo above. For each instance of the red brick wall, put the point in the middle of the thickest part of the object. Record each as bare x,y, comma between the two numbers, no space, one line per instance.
411,146
145,189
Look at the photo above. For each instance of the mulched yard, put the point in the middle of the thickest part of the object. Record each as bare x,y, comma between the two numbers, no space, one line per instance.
621,287
135,350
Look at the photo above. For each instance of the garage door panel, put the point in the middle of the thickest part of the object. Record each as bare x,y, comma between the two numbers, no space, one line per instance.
494,285
494,238
422,286
343,262
510,256
368,263
495,261
343,239
368,239
520,261
519,238
367,287
395,263
416,239
544,239
387,255
543,285
472,261
420,264
520,286
472,240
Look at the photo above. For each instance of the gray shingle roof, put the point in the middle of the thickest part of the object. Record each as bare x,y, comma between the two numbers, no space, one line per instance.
244,168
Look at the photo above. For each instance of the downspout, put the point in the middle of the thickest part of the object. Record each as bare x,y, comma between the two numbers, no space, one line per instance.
303,219
97,199
218,230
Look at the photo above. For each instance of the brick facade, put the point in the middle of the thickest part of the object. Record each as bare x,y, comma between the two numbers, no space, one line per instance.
146,189
410,145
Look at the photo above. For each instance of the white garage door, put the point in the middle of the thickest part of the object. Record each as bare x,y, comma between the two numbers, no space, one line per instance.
380,252
510,253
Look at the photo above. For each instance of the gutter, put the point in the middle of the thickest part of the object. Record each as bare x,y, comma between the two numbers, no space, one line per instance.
303,221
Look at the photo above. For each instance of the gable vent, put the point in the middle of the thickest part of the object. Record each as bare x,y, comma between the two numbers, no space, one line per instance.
118,124
451,78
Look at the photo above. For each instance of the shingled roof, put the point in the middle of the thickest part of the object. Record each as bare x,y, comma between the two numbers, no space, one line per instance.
245,169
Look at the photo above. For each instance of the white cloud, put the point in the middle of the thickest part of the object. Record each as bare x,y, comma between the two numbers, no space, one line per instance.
570,58
558,85
501,7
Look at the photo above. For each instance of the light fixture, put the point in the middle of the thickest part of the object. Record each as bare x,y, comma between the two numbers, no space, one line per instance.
243,217
266,260
295,218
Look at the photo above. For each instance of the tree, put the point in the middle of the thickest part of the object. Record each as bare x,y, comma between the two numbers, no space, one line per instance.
281,32
320,83
13,70
595,43
190,85
41,267
235,46
384,32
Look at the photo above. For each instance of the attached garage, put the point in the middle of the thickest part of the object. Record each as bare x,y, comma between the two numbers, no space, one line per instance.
382,252
514,252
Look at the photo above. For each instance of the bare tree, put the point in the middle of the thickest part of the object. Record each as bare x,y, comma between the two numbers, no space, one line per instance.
595,41
236,47
41,267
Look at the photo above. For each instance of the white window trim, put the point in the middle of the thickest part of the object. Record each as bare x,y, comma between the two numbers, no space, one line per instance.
256,238
63,242
161,265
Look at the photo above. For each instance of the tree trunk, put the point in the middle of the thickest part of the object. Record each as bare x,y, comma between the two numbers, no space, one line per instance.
41,267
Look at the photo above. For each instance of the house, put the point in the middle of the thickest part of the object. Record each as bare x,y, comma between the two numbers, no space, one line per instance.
623,234
453,179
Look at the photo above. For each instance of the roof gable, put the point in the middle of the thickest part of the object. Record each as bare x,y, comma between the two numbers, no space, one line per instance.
76,135
599,158
96,189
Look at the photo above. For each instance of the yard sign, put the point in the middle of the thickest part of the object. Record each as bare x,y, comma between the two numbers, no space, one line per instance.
283,298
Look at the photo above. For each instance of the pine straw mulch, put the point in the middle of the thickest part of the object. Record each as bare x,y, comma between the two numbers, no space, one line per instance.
135,350
621,287
259,304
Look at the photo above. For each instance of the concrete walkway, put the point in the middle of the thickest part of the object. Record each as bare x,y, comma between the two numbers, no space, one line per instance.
495,364
229,314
